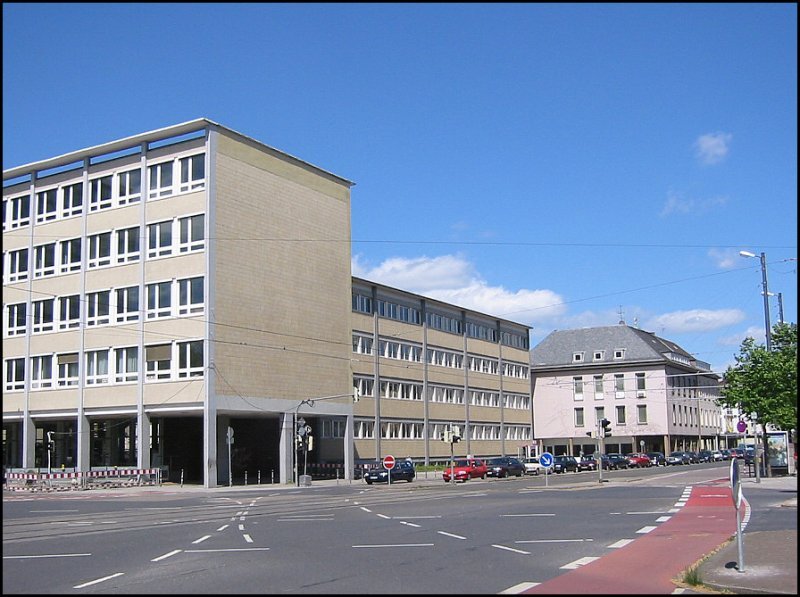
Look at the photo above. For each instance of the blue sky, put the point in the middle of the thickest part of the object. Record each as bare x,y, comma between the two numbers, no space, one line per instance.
553,164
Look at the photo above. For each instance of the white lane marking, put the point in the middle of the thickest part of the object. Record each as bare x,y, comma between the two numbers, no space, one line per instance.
239,513
398,545
200,540
527,553
516,515
59,511
365,509
247,538
241,518
410,524
520,588
659,512
554,541
646,529
241,527
578,563
99,580
166,555
52,555
223,527
231,549
384,516
155,508
451,535
673,510
663,518
620,543
245,513
413,517
722,495
304,520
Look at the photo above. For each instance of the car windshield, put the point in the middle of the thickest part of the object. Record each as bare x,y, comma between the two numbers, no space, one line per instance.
462,463
676,454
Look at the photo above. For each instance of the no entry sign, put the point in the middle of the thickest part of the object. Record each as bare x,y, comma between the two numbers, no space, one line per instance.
388,462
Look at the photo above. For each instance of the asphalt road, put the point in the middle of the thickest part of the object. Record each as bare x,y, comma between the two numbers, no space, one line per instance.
483,536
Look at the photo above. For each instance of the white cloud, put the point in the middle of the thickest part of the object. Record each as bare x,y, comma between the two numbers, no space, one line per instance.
755,332
452,279
676,203
712,148
725,259
695,320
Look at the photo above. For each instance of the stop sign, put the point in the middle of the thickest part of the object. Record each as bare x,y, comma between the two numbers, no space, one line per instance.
388,462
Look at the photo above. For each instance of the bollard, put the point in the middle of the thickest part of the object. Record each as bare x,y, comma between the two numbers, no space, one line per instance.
273,477
337,475
259,476
181,477
245,477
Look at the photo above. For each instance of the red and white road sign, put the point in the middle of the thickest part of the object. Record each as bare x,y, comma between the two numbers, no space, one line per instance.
388,462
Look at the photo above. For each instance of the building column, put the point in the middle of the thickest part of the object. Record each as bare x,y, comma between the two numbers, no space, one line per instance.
349,452
28,443
84,447
142,440
286,449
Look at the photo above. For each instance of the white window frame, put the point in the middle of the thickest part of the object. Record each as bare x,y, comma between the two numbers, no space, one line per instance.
41,371
641,413
577,387
580,419
157,187
70,251
96,257
187,303
18,266
190,167
97,367
156,296
17,212
123,310
126,364
189,227
68,369
159,239
598,387
98,310
619,411
65,307
72,200
619,385
16,319
187,359
46,205
129,187
125,238
15,374
44,262
101,192
39,324
158,368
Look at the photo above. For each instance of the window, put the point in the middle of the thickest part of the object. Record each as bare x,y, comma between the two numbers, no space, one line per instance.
333,428
72,200
97,307
599,413
158,361
577,357
96,367
193,173
42,372
127,307
640,384
362,344
621,415
190,359
99,250
100,193
619,385
598,387
46,205
69,308
15,374
362,303
192,234
599,354
160,180
159,239
619,353
190,296
578,417
127,360
70,255
18,265
44,260
68,369
128,245
130,186
43,312
16,212
577,386
16,319
159,300
641,410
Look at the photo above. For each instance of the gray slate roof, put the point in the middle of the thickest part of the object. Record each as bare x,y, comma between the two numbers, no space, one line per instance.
558,348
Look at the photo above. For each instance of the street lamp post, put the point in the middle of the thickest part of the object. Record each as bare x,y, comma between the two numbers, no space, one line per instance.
763,258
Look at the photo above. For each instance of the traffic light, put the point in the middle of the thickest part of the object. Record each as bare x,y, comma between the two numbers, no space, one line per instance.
456,435
310,442
606,425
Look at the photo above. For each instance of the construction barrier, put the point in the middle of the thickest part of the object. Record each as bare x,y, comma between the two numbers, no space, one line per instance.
60,481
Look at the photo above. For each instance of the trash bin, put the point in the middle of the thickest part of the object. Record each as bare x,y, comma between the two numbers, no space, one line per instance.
305,480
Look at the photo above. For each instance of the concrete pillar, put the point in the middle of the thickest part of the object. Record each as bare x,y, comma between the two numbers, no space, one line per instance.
286,448
84,447
143,440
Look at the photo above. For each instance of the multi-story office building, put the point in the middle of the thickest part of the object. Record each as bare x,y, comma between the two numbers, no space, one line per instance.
657,396
163,288
423,366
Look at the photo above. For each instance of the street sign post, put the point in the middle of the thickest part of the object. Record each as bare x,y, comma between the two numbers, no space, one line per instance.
546,460
736,493
388,464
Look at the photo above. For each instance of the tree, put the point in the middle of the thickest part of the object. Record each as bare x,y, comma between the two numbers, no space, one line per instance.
763,384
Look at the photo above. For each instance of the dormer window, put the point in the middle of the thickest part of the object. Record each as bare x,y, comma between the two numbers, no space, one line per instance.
619,353
577,357
599,354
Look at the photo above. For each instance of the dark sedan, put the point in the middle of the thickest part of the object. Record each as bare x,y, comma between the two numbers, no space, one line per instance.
657,458
563,464
618,461
505,466
402,471
587,463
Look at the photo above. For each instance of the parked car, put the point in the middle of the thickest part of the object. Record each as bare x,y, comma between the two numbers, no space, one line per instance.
563,464
402,471
605,460
705,456
657,458
504,466
617,461
738,452
716,455
587,463
678,457
465,469
532,466
639,460
694,457
726,454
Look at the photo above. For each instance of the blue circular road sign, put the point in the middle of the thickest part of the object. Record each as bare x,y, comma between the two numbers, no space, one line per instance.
546,459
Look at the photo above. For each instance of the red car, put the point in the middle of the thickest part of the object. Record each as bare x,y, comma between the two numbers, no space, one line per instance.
639,460
466,469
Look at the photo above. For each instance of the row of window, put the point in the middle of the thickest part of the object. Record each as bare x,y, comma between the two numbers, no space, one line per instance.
599,355
110,306
404,351
598,383
112,190
163,362
406,390
175,236
621,417
454,325
412,430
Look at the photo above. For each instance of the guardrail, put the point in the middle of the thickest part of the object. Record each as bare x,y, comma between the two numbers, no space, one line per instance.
62,481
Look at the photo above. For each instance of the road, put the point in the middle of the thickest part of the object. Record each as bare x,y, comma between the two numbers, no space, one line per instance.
483,536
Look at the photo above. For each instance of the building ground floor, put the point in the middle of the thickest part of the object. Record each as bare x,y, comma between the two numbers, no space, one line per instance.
580,446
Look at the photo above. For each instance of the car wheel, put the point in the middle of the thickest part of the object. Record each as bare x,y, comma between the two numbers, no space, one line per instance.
368,481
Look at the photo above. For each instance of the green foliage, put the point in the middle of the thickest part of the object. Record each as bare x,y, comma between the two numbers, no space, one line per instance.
764,383
692,577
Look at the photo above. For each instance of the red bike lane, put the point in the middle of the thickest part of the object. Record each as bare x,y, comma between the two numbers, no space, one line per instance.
650,562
